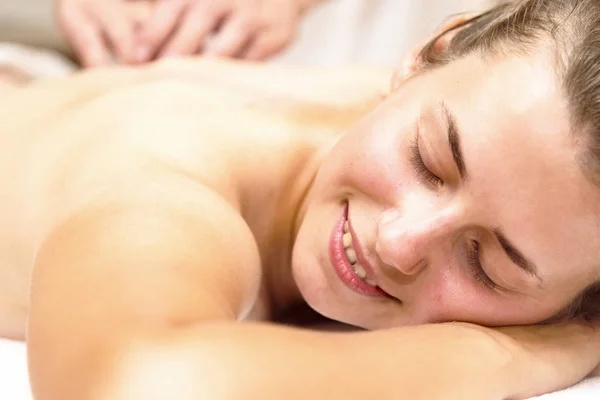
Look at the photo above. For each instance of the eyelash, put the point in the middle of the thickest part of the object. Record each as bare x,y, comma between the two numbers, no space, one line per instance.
423,173
428,177
475,264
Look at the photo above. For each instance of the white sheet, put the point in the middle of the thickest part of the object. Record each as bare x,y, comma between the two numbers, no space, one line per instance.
14,382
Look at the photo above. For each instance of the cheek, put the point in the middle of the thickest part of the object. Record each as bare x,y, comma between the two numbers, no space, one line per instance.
370,162
455,297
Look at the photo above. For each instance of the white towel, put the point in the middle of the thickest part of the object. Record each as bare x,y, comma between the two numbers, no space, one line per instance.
586,390
35,62
14,381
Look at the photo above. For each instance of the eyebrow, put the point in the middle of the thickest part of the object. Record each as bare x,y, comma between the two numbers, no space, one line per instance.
454,140
516,256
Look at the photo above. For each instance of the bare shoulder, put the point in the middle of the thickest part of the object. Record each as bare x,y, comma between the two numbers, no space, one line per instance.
165,248
150,262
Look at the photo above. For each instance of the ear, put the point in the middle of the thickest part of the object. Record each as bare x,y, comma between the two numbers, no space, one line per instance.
408,64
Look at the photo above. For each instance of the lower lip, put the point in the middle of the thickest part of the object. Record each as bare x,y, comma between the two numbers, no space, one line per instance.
342,266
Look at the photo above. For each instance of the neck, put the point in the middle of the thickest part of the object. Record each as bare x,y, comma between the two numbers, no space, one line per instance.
274,202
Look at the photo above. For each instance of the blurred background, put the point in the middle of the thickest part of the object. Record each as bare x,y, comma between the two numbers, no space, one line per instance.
370,31
333,32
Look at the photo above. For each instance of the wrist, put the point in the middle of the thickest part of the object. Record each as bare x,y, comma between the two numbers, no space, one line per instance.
547,358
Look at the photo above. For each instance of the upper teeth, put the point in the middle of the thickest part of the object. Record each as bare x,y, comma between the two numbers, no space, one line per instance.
359,270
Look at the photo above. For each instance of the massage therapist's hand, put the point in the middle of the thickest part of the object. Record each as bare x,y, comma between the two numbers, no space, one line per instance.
102,32
249,29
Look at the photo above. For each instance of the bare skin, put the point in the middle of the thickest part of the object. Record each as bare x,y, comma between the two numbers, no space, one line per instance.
312,118
147,210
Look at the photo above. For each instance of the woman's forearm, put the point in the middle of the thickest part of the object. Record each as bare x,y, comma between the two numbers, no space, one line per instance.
270,362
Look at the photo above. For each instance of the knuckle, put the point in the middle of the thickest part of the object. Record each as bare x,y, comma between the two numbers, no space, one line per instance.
248,25
176,4
279,42
212,10
119,32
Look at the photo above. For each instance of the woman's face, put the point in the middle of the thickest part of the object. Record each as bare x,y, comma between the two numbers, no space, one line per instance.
462,200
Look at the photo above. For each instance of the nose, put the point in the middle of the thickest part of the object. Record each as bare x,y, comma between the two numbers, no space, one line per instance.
406,242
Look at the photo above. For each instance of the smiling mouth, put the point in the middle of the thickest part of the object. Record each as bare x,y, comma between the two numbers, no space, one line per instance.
348,260
359,270
363,271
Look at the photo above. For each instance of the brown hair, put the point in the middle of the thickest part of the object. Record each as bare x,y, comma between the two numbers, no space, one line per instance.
571,29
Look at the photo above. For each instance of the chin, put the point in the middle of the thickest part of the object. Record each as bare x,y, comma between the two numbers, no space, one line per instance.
318,283
310,281
313,285
318,293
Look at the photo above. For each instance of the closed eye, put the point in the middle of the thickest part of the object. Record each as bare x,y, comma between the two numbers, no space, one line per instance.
474,261
423,173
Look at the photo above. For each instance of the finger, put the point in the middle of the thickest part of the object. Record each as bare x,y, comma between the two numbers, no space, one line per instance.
232,39
159,28
85,38
118,29
139,12
190,36
266,44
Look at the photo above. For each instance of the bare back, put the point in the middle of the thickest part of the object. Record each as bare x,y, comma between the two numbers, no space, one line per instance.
103,135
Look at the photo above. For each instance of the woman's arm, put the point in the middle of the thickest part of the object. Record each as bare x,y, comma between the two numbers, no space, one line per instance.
166,255
444,361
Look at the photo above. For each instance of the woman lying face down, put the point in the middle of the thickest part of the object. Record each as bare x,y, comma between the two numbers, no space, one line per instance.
153,215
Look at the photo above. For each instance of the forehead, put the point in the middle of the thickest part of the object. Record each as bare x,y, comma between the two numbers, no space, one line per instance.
520,153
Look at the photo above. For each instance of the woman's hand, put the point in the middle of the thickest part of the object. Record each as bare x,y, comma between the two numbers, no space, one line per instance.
102,32
250,29
550,358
